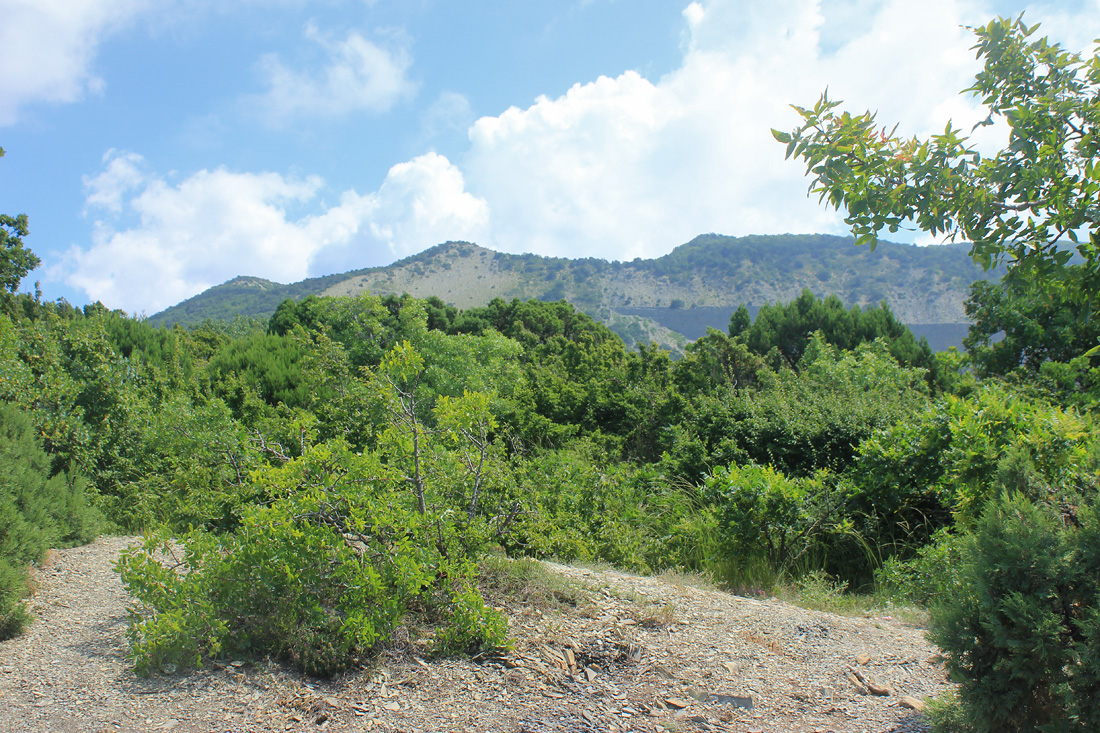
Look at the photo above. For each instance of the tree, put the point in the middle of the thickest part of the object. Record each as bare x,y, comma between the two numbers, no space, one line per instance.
739,321
15,261
789,327
1032,207
1029,658
37,511
1020,207
1022,328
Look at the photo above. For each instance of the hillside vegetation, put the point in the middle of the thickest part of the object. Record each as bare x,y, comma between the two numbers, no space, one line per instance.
351,465
922,285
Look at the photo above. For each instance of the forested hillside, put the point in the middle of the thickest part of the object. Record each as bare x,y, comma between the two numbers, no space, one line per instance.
712,273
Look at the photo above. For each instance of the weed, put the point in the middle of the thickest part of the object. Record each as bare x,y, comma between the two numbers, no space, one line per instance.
657,616
505,581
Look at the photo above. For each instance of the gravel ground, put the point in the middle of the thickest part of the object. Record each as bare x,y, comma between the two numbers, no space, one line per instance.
646,654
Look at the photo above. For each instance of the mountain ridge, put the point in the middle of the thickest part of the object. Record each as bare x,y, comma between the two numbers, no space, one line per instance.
922,285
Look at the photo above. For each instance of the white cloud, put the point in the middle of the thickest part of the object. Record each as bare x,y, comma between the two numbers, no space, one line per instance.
624,167
159,242
424,202
694,15
450,113
1075,24
122,175
358,75
616,168
47,48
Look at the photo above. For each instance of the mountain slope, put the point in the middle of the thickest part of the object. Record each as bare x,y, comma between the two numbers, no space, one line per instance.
701,280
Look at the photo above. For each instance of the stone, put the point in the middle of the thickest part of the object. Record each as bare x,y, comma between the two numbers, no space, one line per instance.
863,659
734,700
913,703
698,693
675,702
877,689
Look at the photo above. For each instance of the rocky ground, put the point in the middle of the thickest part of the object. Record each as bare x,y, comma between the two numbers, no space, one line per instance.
638,654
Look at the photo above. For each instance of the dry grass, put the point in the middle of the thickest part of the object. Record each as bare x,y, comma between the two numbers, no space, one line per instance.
504,581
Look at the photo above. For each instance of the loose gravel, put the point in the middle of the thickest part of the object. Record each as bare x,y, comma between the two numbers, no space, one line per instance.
643,654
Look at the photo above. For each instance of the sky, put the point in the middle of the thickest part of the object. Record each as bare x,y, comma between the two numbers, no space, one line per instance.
161,147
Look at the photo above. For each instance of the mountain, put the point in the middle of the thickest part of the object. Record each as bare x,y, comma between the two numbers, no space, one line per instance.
669,299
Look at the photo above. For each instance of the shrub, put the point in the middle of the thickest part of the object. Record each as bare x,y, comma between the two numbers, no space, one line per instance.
764,514
13,588
37,511
798,422
584,509
318,577
932,573
940,467
1022,628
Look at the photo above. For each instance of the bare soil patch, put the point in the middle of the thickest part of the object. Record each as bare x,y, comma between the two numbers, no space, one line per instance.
644,654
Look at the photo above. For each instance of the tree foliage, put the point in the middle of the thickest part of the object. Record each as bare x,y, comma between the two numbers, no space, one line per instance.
1020,619
1023,629
1034,334
1017,207
38,510
15,260
788,327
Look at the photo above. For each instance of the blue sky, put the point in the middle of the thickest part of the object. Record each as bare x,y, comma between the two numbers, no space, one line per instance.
160,147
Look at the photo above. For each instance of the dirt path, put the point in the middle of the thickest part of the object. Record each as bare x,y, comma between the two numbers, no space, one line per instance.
645,654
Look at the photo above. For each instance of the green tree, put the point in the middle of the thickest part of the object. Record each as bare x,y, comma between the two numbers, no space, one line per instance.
1018,207
1033,207
1022,628
739,321
788,328
15,260
37,511
1033,333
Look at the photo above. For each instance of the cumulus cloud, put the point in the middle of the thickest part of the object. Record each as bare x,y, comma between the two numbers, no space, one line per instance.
157,242
1071,22
122,174
48,49
625,166
618,167
358,75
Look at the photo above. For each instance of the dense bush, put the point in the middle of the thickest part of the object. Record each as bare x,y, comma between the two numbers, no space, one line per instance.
798,422
37,511
583,508
783,523
1021,629
941,466
319,577
267,364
